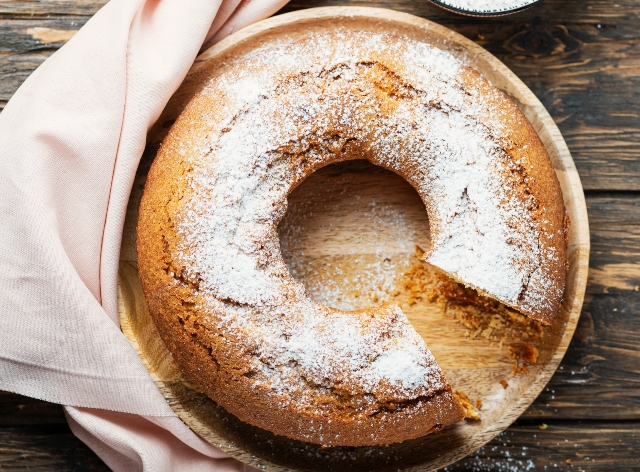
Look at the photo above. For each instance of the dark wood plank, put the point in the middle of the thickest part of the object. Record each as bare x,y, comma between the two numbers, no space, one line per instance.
48,8
34,435
590,445
581,446
615,243
570,10
39,448
599,377
17,410
25,44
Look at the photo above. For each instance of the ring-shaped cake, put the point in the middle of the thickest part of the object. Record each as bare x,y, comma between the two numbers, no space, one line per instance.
238,324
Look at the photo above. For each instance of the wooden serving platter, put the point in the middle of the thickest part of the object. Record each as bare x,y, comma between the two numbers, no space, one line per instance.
350,235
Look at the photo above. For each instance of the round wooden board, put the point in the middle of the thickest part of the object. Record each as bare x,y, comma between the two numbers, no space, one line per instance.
349,235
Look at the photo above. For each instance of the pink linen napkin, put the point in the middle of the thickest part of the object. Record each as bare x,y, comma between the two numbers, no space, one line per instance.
70,142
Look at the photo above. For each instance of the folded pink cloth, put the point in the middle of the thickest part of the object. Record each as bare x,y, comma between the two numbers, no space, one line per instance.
70,142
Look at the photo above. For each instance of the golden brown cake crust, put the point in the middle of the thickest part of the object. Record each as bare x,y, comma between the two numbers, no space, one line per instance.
538,187
201,309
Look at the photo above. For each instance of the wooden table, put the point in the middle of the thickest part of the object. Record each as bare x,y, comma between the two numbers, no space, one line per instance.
582,59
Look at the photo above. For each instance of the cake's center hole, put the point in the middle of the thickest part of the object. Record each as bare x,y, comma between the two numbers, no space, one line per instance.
350,234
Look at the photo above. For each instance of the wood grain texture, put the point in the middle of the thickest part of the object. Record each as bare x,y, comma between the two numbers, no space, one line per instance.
22,49
34,436
579,446
16,410
475,366
45,449
600,376
46,444
49,8
587,76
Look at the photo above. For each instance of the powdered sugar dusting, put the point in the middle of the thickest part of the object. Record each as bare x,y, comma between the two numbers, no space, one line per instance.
293,109
400,365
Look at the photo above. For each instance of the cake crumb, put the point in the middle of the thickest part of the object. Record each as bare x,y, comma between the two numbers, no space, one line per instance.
483,317
523,356
478,404
543,426
569,461
504,383
464,401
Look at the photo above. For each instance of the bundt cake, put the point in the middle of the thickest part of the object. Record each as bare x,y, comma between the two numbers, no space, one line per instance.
241,328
